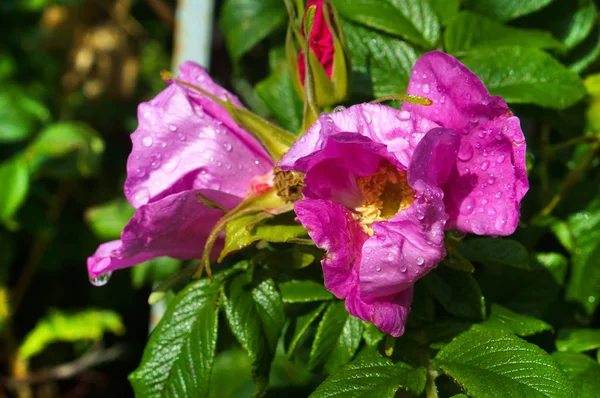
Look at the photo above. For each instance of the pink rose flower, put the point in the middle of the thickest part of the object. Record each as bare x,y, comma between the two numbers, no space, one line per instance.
382,185
186,144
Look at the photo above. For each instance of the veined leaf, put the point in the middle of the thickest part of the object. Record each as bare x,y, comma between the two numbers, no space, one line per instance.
298,291
505,10
494,363
413,20
179,356
503,252
526,76
470,30
371,375
337,339
256,317
300,326
519,324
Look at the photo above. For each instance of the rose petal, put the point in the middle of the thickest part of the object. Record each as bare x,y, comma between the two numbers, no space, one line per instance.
485,188
333,229
398,131
387,313
175,226
185,141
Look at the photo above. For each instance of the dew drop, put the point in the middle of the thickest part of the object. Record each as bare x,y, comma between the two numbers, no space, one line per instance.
147,141
501,159
390,257
491,180
101,279
466,152
141,197
378,268
227,147
426,88
172,127
474,119
420,260
171,164
339,108
485,101
140,172
498,195
404,115
368,250
467,207
443,99
484,165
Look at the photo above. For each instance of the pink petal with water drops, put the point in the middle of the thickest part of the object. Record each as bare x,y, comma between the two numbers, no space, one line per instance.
489,181
409,245
399,131
186,141
175,226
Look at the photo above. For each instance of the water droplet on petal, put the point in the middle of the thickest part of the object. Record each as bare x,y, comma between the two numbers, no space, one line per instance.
467,206
378,268
485,101
498,195
339,108
227,147
390,257
172,127
140,172
426,88
404,115
147,141
101,280
484,165
443,99
466,152
141,197
491,180
171,164
501,159
474,119
419,260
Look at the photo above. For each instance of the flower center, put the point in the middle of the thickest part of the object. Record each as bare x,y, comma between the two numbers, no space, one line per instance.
288,184
385,193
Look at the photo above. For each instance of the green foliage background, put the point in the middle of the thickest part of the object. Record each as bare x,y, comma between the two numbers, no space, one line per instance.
498,318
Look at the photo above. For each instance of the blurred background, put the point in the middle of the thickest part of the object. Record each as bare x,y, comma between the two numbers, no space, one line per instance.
71,75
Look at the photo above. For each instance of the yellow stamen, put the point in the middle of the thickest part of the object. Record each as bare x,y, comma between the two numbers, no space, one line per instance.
385,193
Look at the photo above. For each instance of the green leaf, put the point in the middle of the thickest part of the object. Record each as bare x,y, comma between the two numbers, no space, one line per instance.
526,75
300,326
584,285
179,356
278,93
107,220
494,363
571,21
446,10
245,230
457,292
247,22
582,370
256,317
88,325
14,175
578,340
383,63
337,339
372,376
20,114
66,149
586,53
304,291
497,251
505,10
555,263
460,34
372,334
413,20
509,321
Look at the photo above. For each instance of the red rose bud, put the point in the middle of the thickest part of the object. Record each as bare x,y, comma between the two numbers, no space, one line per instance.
320,39
322,79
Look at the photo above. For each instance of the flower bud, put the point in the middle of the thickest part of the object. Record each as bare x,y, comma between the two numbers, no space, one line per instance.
323,76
